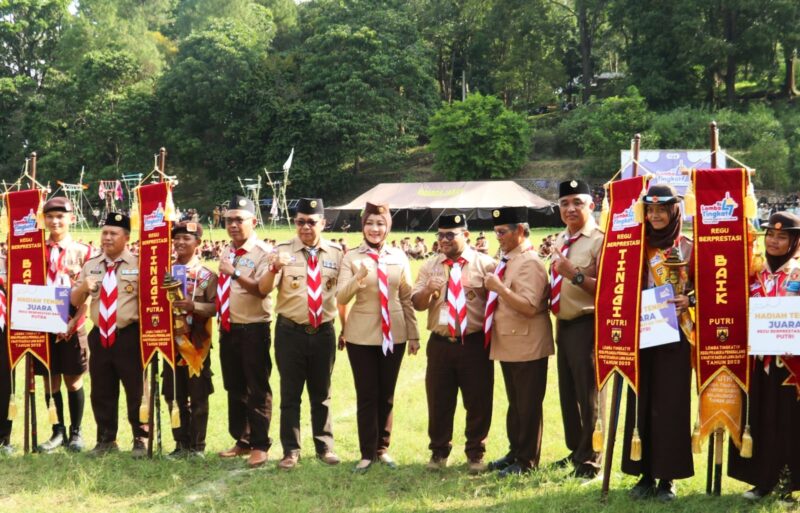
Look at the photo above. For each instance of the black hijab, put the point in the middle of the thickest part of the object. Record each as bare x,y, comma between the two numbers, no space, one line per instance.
665,237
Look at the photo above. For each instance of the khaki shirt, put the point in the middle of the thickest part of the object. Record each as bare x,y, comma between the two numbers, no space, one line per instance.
584,254
127,272
516,337
363,324
75,255
478,266
245,308
291,280
201,287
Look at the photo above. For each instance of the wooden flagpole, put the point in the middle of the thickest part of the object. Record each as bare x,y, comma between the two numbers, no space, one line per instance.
31,432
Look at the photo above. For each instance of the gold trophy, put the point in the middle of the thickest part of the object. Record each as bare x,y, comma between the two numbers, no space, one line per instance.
175,293
676,265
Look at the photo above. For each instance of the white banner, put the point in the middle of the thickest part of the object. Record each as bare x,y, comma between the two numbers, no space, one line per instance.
659,320
39,308
774,326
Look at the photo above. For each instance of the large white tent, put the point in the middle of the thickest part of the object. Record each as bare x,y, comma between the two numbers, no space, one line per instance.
417,206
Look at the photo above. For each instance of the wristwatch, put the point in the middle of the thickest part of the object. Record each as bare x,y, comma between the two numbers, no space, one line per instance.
578,279
236,274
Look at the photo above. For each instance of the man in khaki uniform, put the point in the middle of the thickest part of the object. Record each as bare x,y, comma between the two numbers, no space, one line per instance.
244,336
521,338
305,271
115,354
69,352
457,359
191,379
573,277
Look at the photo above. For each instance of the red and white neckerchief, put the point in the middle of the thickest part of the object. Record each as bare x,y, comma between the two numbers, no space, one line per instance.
768,284
55,266
556,279
387,344
491,304
224,291
107,320
2,304
314,286
456,299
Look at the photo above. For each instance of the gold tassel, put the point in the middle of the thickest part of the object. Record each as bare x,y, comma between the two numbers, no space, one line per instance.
750,209
697,448
144,410
638,212
51,412
40,214
135,216
12,408
747,443
175,416
690,202
636,446
169,207
4,219
597,437
604,210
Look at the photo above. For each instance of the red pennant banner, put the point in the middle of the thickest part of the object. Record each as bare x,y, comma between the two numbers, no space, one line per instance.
26,265
619,289
792,364
721,252
155,260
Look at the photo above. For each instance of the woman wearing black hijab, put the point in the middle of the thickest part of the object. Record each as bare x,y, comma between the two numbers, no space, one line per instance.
665,372
774,413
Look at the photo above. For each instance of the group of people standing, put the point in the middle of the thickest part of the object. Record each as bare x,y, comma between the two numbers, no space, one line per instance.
479,310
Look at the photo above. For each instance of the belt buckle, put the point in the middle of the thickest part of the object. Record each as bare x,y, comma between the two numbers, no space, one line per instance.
452,340
310,330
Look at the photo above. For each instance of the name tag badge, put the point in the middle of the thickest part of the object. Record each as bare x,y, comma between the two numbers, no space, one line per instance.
443,316
329,264
96,271
129,272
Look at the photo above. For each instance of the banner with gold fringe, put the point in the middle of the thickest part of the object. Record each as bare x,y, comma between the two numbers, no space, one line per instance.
25,263
619,284
155,260
721,252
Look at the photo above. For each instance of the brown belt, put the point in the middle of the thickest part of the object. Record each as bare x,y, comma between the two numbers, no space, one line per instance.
452,340
308,329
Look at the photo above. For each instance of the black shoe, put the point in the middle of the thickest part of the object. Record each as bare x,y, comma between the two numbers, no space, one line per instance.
502,463
75,443
57,439
645,488
103,448
178,454
585,472
513,470
139,450
666,491
755,494
564,462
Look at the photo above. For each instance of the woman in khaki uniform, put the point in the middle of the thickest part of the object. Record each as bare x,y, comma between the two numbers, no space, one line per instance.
375,347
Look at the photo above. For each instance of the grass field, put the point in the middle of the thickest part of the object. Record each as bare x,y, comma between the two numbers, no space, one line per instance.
67,482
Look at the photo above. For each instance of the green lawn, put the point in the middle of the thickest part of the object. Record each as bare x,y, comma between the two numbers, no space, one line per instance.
66,482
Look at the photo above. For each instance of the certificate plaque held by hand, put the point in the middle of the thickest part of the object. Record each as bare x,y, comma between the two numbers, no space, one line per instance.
41,308
659,319
774,327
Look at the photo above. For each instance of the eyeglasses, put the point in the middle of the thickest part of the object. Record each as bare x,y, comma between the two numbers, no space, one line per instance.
302,222
501,232
447,235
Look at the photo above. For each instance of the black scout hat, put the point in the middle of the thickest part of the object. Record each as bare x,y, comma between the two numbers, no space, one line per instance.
378,210
60,203
571,187
509,215
187,227
782,221
242,203
661,194
453,221
310,206
118,220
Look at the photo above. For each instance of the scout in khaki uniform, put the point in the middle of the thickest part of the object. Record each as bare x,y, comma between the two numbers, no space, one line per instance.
378,325
191,380
69,352
305,270
6,374
450,286
244,336
573,280
112,281
521,337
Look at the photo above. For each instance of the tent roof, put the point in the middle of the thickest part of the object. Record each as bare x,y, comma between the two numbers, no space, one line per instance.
449,195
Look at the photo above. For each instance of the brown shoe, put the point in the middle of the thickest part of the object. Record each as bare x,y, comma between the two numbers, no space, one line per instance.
103,448
289,461
257,458
329,458
477,466
436,463
234,451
